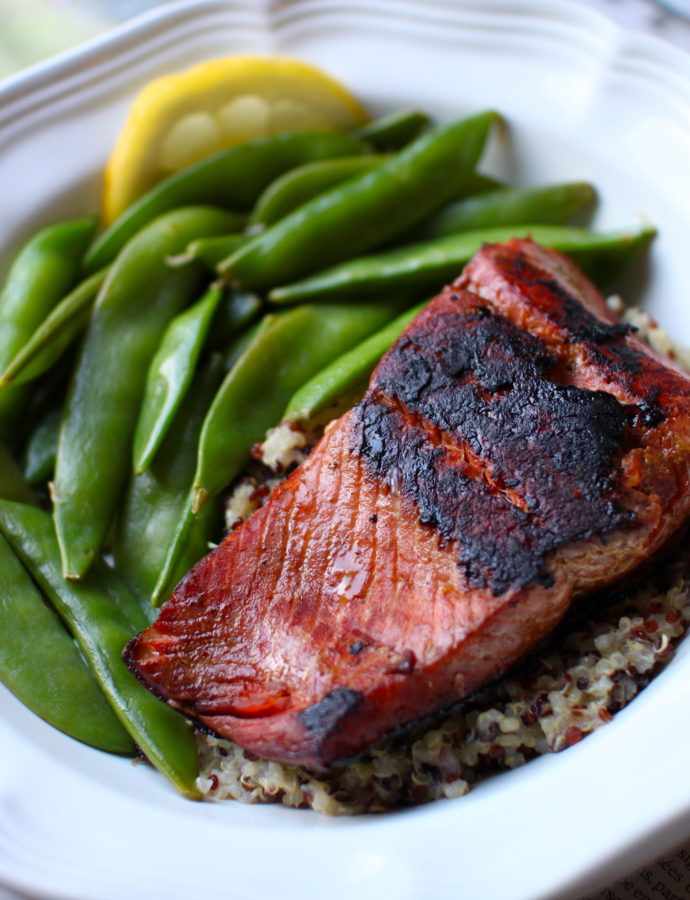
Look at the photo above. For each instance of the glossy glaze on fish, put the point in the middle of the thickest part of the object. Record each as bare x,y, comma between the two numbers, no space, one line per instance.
517,448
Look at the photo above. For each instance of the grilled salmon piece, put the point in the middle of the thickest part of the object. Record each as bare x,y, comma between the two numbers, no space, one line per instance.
516,448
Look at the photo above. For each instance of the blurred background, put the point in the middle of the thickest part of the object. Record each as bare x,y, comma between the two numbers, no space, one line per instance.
32,30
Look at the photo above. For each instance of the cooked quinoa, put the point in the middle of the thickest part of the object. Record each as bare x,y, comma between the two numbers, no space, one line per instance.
598,661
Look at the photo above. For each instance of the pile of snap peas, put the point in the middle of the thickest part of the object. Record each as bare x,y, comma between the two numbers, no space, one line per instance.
140,364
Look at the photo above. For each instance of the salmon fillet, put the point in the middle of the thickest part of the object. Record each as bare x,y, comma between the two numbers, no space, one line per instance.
517,448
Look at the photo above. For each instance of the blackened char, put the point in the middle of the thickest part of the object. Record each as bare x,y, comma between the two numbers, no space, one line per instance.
484,384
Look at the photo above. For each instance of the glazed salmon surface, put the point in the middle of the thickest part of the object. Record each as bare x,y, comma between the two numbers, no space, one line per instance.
517,447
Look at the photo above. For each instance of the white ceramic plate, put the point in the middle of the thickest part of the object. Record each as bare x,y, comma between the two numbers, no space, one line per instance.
584,100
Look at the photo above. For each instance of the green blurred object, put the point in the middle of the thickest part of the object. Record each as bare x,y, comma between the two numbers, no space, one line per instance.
33,30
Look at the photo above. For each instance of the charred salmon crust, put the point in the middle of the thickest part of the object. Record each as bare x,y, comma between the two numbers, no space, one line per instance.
517,447
474,381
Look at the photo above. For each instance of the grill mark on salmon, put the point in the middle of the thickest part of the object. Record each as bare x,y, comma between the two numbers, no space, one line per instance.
463,541
468,373
568,313
539,292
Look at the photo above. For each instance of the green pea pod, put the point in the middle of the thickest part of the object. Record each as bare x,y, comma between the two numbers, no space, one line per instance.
236,312
552,204
394,130
210,251
13,485
40,452
286,352
41,665
481,184
174,551
137,301
304,183
428,266
188,522
156,501
232,179
55,334
102,614
347,373
39,661
170,374
237,347
43,272
366,211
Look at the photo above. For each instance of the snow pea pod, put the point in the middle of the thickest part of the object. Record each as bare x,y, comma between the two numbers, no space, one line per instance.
551,204
237,347
188,521
232,179
170,374
394,130
13,485
43,272
366,211
103,615
347,373
138,299
237,310
39,661
156,501
304,183
54,335
288,350
479,183
428,266
211,251
41,665
41,449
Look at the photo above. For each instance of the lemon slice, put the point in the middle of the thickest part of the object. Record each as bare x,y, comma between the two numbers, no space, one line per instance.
179,119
